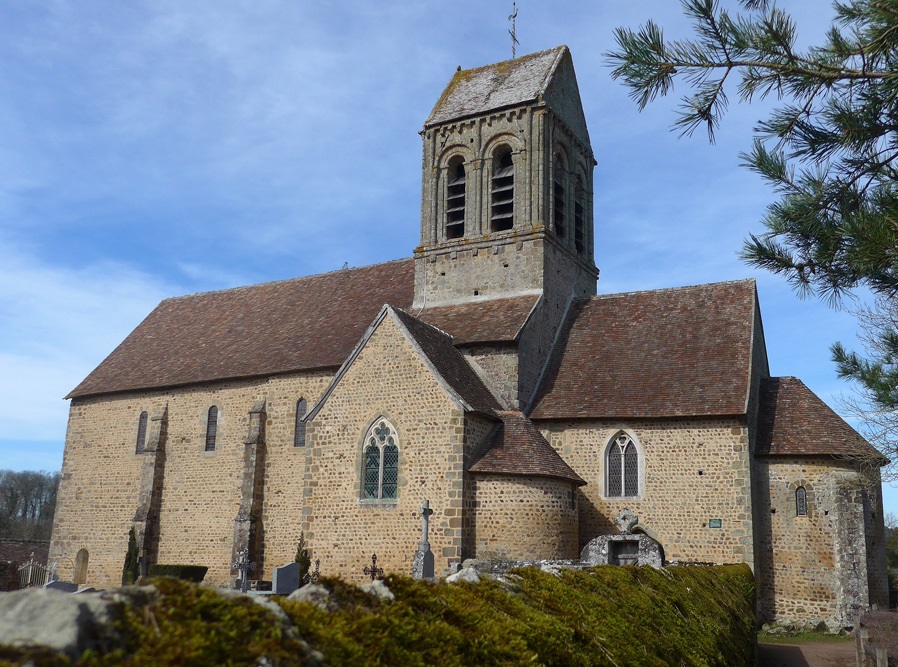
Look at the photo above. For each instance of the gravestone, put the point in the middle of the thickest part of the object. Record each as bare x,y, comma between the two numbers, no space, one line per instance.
64,586
628,548
285,579
422,564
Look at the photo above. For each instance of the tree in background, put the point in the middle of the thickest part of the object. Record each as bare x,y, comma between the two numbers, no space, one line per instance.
302,557
27,503
828,152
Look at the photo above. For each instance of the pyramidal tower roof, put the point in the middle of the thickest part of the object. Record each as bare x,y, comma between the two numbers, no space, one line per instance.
546,76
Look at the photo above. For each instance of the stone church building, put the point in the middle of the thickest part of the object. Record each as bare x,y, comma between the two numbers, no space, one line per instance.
483,374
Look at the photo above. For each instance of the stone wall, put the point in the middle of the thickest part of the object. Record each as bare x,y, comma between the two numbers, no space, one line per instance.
387,379
100,483
814,567
704,461
524,518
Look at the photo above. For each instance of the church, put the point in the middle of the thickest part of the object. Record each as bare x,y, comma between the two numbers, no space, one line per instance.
484,375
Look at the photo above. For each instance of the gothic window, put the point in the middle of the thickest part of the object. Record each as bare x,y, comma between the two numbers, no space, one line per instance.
801,501
380,476
558,197
455,199
211,429
579,213
141,433
502,191
299,427
622,467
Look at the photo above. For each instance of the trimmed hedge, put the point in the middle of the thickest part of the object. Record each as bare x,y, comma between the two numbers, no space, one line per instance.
194,573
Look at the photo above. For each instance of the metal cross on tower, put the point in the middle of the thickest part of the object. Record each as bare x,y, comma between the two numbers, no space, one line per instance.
513,32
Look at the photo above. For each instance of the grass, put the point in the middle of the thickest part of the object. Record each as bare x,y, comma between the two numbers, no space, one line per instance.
803,638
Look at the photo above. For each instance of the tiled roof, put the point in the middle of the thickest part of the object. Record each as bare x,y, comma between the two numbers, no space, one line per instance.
496,320
793,421
664,353
516,447
276,327
437,346
496,86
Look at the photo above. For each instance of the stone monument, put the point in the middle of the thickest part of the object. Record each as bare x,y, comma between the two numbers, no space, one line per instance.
422,565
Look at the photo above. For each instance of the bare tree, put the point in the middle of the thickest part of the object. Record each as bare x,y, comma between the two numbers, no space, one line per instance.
27,503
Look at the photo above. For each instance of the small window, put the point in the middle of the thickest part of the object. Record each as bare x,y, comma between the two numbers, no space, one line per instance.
579,213
211,429
502,191
141,433
81,562
801,501
380,476
558,197
455,199
622,468
299,428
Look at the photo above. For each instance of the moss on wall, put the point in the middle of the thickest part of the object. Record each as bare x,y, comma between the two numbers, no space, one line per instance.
601,616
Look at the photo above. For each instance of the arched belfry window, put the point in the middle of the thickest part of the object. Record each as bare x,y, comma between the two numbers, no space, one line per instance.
622,467
455,199
380,476
502,191
141,433
579,216
559,195
211,428
299,426
801,501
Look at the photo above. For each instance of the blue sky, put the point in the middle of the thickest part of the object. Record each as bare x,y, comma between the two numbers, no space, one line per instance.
152,149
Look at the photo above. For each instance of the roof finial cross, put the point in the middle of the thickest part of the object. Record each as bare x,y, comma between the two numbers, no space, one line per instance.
513,31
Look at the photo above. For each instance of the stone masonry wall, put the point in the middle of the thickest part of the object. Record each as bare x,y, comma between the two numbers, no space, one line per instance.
477,431
201,493
387,379
692,471
813,568
524,518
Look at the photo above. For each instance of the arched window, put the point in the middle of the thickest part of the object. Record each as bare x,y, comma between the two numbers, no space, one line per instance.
502,191
141,433
380,476
81,566
622,467
579,215
299,427
558,196
801,501
455,199
211,429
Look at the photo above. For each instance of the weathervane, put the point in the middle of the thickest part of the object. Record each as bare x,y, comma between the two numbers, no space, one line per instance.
513,31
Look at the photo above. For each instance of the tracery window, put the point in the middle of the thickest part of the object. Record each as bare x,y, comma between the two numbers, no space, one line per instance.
211,429
455,199
141,433
801,501
622,467
502,191
299,427
380,475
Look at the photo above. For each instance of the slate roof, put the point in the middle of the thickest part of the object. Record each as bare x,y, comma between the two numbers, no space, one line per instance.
793,421
505,84
276,327
437,346
516,447
496,320
662,353
281,327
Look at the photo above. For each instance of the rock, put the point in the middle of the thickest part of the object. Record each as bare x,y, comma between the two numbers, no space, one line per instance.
468,574
379,589
63,622
314,593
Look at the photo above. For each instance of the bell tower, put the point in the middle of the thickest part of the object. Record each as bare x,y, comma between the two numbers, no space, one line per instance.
507,186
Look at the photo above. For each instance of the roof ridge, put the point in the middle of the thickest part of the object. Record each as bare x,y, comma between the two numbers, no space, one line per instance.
614,295
297,279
